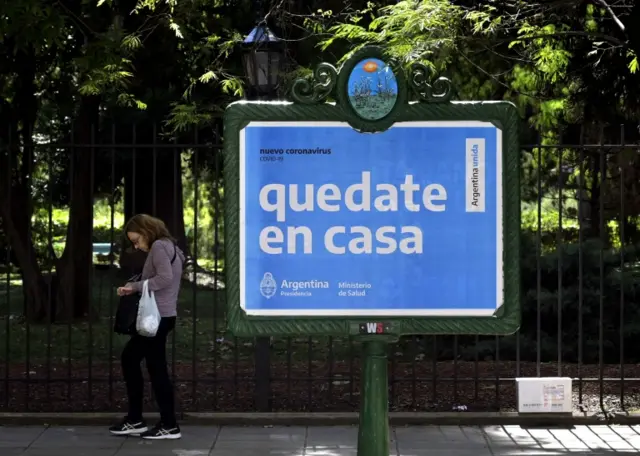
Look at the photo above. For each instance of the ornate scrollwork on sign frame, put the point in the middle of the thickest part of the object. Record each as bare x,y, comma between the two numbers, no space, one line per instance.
318,88
440,91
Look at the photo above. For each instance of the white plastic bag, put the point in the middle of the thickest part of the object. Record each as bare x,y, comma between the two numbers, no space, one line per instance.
148,319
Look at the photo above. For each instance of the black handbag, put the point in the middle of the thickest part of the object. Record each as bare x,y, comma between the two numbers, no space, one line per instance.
127,313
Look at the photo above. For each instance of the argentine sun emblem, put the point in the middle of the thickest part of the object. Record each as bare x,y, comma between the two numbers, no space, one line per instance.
268,285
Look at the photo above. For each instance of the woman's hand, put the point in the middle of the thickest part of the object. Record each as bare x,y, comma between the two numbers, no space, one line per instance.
126,290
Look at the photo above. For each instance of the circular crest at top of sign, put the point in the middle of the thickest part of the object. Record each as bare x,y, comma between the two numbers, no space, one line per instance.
372,89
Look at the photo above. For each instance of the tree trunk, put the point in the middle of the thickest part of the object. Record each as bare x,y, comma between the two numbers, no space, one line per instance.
35,291
75,267
15,183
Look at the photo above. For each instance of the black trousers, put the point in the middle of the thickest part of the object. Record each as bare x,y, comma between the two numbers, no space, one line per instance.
154,351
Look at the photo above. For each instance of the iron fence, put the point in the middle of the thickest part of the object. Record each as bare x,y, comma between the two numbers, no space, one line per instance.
63,204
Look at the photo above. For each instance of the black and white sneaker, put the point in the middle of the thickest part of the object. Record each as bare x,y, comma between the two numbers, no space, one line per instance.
129,427
161,432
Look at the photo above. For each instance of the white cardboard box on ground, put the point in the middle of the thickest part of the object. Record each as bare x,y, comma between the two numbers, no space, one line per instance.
544,395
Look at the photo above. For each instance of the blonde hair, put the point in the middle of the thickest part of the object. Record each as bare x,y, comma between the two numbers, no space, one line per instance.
152,228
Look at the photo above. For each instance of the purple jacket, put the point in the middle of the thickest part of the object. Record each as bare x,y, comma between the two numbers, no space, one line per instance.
164,277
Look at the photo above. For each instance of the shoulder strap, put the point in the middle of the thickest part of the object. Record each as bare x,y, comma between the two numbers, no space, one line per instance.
175,252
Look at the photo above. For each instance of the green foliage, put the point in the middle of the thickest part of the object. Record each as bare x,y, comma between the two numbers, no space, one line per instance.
604,297
204,225
200,199
529,50
633,64
50,224
411,31
584,288
184,116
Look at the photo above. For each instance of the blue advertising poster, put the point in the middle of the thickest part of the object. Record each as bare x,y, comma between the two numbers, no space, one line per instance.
407,222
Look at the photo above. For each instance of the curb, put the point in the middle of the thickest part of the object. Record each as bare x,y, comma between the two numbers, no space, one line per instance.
335,419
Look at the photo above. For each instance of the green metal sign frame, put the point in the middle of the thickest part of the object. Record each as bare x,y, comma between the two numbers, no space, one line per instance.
416,98
431,104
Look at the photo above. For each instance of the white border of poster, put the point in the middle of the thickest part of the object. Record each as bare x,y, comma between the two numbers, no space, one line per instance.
378,312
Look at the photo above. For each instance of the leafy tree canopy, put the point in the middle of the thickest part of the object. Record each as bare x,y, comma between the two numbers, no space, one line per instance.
551,58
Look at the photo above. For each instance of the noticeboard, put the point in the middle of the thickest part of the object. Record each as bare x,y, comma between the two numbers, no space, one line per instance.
376,214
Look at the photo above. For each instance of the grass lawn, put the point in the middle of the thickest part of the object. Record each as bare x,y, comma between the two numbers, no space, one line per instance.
200,334
193,338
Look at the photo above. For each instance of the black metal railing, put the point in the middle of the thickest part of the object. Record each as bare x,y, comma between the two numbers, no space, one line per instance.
64,202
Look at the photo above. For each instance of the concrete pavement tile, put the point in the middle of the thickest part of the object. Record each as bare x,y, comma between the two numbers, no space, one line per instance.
497,433
497,437
200,431
286,435
513,437
434,440
536,452
328,445
341,447
12,451
180,446
420,433
68,451
19,437
474,434
546,440
589,439
422,447
268,438
257,452
338,438
540,452
77,437
613,440
628,435
429,451
161,450
454,433
344,437
510,446
325,452
568,440
266,446
627,431
338,452
440,437
347,435
441,445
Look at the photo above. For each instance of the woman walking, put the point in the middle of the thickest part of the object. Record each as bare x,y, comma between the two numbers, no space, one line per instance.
163,270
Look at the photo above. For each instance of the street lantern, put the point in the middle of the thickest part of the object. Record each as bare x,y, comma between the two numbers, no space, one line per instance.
263,57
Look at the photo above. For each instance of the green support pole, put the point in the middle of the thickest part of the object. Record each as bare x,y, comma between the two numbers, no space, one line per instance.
373,432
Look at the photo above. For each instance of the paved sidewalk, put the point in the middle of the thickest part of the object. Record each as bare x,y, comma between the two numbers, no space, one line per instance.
324,441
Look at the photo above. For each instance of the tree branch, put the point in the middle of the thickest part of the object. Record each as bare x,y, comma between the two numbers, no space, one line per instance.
498,81
613,15
602,36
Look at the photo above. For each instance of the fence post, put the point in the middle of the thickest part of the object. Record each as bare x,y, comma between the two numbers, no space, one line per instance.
263,374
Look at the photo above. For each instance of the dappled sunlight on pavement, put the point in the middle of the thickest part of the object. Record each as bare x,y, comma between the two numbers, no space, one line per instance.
325,441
